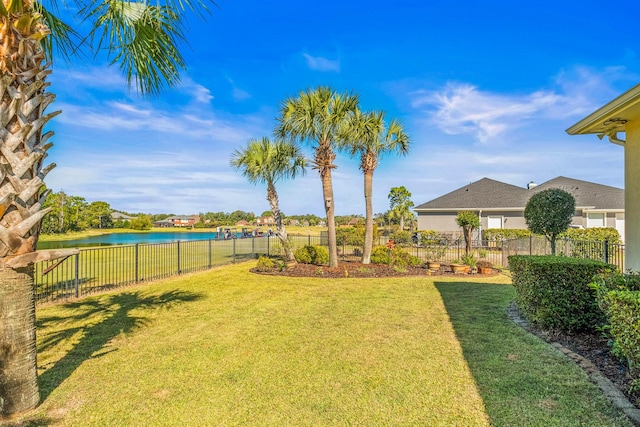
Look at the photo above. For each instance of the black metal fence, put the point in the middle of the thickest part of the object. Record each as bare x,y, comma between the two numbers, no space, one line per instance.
612,253
101,268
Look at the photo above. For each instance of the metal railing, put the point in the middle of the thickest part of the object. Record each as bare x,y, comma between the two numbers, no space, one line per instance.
102,268
611,253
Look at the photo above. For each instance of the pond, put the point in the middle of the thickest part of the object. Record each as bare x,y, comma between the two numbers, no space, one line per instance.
133,238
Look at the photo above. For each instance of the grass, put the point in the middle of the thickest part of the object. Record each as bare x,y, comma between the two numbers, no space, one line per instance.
226,347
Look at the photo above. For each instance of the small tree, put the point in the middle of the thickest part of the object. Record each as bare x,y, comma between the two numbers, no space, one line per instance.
469,222
550,212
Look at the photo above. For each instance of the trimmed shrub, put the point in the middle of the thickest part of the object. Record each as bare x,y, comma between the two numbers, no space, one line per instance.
396,257
618,295
599,234
499,234
316,255
554,291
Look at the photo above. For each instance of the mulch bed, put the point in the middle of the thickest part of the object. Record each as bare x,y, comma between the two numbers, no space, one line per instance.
592,346
357,269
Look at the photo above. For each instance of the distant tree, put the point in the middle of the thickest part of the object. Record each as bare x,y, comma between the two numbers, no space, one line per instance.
264,161
550,213
141,222
400,204
98,215
469,222
267,213
368,136
317,116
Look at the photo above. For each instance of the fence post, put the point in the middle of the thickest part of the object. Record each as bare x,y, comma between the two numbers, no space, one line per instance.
606,251
530,245
234,251
77,275
253,247
309,239
268,246
178,256
210,262
137,264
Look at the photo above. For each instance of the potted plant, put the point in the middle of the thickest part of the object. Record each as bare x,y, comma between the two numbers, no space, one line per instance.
435,253
484,267
470,261
458,267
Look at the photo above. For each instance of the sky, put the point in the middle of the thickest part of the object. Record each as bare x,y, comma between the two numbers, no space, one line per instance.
483,88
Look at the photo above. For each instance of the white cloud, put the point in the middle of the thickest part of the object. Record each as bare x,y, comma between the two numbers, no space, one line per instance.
463,108
319,63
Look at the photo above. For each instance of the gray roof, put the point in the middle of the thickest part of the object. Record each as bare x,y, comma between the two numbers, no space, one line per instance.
495,195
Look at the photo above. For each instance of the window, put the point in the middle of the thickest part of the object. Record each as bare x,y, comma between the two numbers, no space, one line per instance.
494,222
595,220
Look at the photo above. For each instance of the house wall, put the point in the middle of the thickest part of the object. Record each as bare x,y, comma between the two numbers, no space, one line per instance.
446,221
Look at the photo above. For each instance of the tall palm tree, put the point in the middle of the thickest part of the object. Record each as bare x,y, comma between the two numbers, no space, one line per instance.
142,40
368,135
317,116
263,161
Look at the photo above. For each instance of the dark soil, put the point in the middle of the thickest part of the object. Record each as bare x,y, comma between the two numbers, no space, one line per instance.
357,269
592,346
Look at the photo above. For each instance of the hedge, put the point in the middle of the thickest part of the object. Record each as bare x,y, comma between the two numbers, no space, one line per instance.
618,295
554,291
317,255
499,234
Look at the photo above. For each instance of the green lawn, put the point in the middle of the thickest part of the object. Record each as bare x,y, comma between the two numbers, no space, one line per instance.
227,347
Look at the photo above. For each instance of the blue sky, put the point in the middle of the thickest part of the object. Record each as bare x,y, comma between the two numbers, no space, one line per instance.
484,88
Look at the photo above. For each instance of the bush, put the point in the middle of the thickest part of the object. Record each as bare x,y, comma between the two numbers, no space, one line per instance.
618,295
402,237
316,255
599,234
554,291
500,234
265,264
380,255
396,257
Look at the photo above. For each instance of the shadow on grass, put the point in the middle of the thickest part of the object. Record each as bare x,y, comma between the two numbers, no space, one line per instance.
100,319
522,380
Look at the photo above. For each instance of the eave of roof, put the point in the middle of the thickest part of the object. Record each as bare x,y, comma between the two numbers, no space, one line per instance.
612,117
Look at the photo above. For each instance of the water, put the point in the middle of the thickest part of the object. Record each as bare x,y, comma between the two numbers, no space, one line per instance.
133,238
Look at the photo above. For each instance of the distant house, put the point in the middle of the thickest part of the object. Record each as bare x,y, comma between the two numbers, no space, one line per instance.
501,205
242,223
119,216
265,221
178,221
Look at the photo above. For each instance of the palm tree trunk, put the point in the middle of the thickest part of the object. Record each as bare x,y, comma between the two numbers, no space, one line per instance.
327,191
368,230
272,197
18,375
23,147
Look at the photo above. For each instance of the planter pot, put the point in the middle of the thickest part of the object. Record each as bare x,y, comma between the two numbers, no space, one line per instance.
459,268
433,265
485,270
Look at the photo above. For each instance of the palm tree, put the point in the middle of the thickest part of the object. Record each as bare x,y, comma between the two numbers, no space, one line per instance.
317,117
366,134
400,204
263,161
142,39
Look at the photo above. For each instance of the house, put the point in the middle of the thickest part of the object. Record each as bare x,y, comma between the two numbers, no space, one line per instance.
622,115
265,221
119,216
501,205
178,221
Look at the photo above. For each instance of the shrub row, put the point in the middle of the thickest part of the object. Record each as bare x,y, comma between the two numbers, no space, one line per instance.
591,234
554,291
618,295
